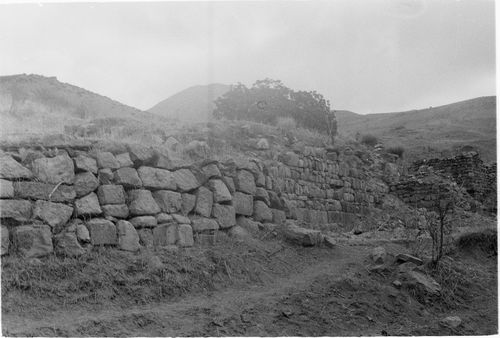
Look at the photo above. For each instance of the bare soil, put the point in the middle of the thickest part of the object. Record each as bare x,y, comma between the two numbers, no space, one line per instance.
265,288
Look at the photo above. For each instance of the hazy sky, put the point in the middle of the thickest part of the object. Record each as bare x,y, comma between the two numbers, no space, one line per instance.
365,56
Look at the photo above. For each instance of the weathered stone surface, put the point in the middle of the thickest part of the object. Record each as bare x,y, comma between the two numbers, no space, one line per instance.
185,180
82,233
211,171
54,170
102,231
33,240
260,181
262,144
408,258
188,203
85,163
245,182
220,190
279,216
204,201
66,244
17,210
261,212
225,215
197,149
144,221
44,191
417,279
451,322
378,255
115,210
329,241
88,205
229,184
6,189
261,194
142,203
247,224
185,235
291,159
54,214
202,224
146,237
128,239
164,218
243,204
106,160
181,219
105,176
239,233
169,201
165,234
124,160
127,177
114,147
301,236
155,178
141,155
12,170
4,233
168,160
85,183
111,194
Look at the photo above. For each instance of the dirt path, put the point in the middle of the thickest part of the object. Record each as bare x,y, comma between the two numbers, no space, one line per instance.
187,316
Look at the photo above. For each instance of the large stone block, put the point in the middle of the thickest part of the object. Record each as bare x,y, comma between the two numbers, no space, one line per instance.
111,194
140,154
203,224
33,240
54,214
102,231
12,170
54,170
146,238
169,201
301,236
17,210
115,210
88,205
124,160
229,184
181,219
141,202
225,215
188,203
144,221
220,190
184,235
66,244
128,239
165,234
168,160
85,183
204,201
290,158
185,180
106,160
85,163
105,176
245,182
155,178
261,212
4,234
261,194
279,216
243,204
127,177
211,171
6,189
44,191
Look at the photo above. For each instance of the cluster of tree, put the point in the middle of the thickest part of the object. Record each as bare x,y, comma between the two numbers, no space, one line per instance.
268,100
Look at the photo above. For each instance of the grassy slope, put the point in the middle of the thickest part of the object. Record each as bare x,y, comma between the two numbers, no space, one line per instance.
34,103
471,122
192,104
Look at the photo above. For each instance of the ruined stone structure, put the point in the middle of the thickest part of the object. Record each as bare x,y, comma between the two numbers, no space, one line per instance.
70,198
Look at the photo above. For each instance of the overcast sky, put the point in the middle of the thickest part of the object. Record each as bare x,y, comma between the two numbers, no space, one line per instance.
366,56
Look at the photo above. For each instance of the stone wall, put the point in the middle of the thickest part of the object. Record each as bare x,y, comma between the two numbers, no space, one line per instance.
69,199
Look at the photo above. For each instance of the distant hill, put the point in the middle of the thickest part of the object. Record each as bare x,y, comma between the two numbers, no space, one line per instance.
432,131
192,104
35,103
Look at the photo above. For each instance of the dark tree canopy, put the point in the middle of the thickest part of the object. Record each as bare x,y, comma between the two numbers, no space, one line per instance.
267,100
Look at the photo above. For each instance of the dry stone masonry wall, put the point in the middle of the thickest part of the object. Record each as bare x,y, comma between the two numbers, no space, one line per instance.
69,199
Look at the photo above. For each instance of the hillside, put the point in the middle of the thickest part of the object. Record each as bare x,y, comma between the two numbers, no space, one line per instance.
34,103
192,104
429,132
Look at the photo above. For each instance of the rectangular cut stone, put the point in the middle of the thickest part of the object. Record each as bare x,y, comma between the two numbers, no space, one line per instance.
165,234
54,169
17,210
102,231
115,210
44,191
111,194
184,235
169,201
155,178
203,224
243,204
